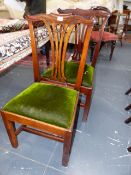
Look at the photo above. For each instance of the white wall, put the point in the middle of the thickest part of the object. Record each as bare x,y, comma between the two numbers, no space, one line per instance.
85,4
16,8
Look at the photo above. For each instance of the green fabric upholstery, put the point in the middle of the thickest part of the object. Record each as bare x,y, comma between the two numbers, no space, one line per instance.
44,102
71,69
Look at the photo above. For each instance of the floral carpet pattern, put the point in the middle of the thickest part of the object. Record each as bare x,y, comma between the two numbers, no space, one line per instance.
16,45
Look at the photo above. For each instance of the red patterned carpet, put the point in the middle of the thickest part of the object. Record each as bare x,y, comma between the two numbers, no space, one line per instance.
27,61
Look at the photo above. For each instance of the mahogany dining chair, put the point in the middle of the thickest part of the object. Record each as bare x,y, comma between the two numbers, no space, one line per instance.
48,106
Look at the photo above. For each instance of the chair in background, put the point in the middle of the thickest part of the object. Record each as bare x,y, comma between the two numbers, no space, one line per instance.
112,22
48,108
87,85
118,24
100,17
108,37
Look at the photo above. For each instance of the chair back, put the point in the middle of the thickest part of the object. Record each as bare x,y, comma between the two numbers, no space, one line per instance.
101,8
60,28
99,17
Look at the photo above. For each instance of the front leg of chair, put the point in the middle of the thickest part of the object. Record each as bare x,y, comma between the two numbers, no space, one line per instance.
87,106
10,127
67,148
93,45
113,44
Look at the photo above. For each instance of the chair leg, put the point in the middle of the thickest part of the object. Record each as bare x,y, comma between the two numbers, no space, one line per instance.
98,46
128,92
113,44
121,42
127,108
67,148
128,120
102,44
129,149
87,106
93,45
10,127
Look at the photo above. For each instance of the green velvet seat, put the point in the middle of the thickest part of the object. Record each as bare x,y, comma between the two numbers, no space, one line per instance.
48,103
71,69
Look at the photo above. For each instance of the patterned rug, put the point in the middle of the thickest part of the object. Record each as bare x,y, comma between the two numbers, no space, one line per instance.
27,61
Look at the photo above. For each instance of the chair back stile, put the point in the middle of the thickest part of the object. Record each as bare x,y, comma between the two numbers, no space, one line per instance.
59,30
34,55
83,56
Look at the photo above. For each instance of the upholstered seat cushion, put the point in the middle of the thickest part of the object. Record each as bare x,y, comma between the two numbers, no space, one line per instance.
71,69
107,36
48,103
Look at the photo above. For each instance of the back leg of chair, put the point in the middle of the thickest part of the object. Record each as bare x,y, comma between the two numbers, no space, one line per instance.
93,45
67,148
102,44
120,39
87,105
113,44
10,127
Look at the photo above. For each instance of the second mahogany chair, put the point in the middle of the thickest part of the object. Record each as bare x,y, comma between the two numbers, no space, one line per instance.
48,107
108,37
87,84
